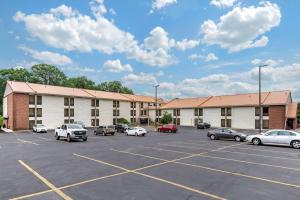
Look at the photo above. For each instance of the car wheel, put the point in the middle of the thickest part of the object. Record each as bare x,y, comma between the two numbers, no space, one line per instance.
212,137
170,131
237,138
295,144
256,141
103,133
84,139
95,133
68,138
56,136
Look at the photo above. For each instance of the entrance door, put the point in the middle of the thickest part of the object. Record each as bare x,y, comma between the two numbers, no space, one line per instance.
289,124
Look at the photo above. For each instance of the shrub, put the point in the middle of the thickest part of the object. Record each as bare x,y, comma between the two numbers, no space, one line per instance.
166,118
1,120
122,121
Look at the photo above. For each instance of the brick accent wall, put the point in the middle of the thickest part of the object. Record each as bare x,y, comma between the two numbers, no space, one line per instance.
20,112
276,117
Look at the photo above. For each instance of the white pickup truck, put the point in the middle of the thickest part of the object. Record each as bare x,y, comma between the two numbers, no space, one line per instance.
70,132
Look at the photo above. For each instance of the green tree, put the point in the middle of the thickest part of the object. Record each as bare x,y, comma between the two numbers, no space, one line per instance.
113,86
48,75
80,82
166,118
122,121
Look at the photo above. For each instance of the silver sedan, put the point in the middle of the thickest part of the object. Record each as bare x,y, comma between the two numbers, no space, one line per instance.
276,137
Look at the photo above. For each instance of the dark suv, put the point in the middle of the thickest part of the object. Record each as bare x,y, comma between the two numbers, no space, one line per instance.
105,130
121,128
203,125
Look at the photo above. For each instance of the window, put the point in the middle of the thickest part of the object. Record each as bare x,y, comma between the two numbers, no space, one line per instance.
178,121
114,121
66,101
174,113
39,100
116,113
257,111
196,113
66,112
257,123
228,111
97,112
93,102
131,113
72,112
132,104
39,112
200,112
97,102
196,121
93,112
66,121
159,112
39,122
142,105
31,123
265,124
93,122
178,112
265,111
132,120
31,99
31,112
222,122
71,101
97,122
222,111
71,121
116,104
174,120
228,123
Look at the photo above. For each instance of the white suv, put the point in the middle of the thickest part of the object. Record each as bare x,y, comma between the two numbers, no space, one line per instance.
70,132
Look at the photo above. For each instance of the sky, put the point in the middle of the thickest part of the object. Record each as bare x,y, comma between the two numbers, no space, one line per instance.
190,48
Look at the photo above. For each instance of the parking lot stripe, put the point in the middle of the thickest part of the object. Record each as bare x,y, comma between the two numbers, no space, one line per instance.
45,181
157,178
221,171
26,141
155,148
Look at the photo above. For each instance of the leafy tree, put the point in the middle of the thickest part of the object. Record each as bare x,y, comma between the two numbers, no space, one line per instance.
80,82
113,86
166,118
1,121
48,75
122,121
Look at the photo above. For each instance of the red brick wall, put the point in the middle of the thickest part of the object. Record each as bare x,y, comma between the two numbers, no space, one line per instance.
20,111
277,117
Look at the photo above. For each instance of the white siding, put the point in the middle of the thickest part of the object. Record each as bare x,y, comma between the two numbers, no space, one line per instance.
187,117
82,110
4,106
152,115
212,116
125,110
106,112
7,91
243,117
53,111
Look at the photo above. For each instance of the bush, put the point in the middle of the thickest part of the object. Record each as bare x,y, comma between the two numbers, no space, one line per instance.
122,121
166,118
1,120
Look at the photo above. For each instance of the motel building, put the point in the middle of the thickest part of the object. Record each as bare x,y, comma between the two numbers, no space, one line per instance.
26,104
235,111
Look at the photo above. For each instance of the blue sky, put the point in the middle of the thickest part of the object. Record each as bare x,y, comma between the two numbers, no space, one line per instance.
191,48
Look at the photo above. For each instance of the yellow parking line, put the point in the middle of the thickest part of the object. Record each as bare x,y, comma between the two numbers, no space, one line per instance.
26,141
45,181
159,179
221,171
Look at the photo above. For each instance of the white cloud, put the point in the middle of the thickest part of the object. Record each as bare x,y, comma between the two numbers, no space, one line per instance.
116,66
47,56
242,28
269,62
160,73
223,3
66,28
159,4
186,44
207,58
141,78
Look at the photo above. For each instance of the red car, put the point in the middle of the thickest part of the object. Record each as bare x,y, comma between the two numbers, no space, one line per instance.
171,128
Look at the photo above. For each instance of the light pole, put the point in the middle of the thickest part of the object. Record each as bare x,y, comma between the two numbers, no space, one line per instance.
259,96
156,86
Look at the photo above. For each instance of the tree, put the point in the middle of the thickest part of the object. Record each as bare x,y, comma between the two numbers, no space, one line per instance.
113,86
48,75
166,118
122,121
80,82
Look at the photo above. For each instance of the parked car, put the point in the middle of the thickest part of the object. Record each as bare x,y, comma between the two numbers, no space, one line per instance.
136,131
226,133
203,125
70,132
105,130
121,128
276,137
80,123
39,128
170,128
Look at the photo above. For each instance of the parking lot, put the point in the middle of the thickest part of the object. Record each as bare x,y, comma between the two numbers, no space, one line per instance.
186,165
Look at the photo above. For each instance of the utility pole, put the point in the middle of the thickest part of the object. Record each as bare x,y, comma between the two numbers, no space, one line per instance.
156,114
259,96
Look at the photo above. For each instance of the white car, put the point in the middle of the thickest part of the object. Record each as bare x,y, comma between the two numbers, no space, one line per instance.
276,137
70,132
137,131
38,128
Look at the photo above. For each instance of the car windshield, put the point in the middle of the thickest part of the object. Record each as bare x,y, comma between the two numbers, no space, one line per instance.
230,130
74,126
40,125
